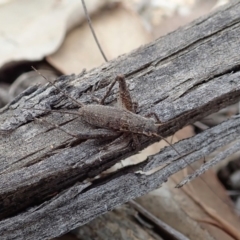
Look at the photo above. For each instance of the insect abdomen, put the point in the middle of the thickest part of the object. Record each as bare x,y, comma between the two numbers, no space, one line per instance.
101,116
117,119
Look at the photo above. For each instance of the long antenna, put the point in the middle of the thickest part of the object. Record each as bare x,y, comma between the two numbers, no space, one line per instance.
92,30
52,110
95,37
59,89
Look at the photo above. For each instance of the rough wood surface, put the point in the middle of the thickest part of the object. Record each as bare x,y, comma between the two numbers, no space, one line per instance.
45,182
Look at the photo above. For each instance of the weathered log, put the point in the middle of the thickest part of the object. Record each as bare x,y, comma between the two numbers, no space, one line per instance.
46,186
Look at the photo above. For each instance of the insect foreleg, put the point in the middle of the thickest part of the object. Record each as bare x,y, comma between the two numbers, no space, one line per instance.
153,114
108,91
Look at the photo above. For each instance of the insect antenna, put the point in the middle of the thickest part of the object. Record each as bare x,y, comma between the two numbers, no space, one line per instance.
56,126
92,30
52,124
59,111
52,110
58,88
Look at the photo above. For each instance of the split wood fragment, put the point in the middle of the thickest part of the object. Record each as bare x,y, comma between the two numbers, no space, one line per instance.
183,77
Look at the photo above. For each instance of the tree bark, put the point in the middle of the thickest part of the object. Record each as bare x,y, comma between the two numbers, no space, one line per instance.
47,184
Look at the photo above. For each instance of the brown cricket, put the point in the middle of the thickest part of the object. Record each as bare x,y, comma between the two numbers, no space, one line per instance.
121,120
118,119
114,121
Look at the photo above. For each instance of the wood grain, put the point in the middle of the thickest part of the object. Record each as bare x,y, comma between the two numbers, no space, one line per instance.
46,181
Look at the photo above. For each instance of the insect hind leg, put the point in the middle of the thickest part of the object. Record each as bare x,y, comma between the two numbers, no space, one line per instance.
124,98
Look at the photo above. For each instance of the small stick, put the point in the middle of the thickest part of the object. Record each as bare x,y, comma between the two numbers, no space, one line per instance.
163,226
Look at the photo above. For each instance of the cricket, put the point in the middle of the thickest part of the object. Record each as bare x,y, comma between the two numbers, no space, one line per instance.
122,119
121,123
116,124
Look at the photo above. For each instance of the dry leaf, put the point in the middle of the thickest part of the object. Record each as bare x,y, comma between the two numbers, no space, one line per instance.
32,29
180,207
119,31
